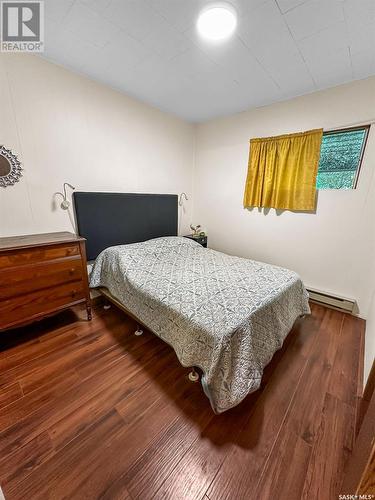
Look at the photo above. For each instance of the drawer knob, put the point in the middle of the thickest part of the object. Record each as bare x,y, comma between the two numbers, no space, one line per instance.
71,271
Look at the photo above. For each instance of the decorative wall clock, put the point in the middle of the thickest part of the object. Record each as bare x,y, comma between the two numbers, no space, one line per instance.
10,168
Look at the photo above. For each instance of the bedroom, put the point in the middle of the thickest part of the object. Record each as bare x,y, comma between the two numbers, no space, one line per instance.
130,98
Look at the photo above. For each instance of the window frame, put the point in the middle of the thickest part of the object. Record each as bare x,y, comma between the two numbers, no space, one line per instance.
364,144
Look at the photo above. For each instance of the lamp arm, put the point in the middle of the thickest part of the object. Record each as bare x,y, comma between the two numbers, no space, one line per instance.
182,195
67,184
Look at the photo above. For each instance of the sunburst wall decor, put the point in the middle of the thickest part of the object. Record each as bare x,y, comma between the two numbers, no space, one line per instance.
10,167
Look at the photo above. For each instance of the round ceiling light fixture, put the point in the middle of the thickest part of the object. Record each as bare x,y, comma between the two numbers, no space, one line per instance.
217,22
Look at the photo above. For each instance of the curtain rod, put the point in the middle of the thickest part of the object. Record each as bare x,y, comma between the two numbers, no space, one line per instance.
356,124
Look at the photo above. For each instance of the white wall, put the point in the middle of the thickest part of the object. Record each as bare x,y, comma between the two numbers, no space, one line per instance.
333,249
68,128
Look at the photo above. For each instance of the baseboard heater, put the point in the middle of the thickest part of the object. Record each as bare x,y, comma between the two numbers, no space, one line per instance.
333,301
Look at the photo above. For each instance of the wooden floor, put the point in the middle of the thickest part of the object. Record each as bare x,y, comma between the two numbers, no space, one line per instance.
88,410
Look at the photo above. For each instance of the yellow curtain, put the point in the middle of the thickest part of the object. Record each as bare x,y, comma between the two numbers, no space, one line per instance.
282,171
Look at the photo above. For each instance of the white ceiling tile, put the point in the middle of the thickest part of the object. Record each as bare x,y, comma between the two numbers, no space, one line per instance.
207,96
245,7
162,88
329,61
152,69
265,33
141,81
228,54
170,89
88,25
286,5
201,102
327,55
333,78
193,62
218,88
156,74
56,10
269,40
314,16
331,67
363,63
359,12
142,89
295,88
260,25
66,48
325,41
135,17
250,98
166,40
133,85
291,74
223,53
362,38
124,51
277,49
181,14
238,62
153,65
98,5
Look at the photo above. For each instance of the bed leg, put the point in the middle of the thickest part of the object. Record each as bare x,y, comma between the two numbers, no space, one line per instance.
193,375
138,331
89,312
107,306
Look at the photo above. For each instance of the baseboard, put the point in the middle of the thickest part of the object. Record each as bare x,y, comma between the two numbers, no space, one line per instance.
333,301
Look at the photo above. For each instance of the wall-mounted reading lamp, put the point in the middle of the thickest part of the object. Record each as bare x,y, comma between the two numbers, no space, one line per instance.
180,201
65,204
182,209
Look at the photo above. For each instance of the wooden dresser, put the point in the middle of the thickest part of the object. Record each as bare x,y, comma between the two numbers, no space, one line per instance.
41,274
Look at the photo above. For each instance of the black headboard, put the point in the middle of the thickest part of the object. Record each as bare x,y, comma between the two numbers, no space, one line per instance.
108,219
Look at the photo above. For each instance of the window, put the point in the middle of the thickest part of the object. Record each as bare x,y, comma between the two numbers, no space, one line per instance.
340,158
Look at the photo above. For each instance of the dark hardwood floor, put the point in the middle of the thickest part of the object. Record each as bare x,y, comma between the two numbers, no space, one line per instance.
88,410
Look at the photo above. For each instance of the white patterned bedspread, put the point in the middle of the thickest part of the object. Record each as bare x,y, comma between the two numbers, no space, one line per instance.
226,315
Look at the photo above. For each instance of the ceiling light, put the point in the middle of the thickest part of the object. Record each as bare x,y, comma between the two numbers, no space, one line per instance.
217,23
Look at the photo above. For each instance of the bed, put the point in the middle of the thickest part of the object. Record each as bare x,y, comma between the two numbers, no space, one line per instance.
224,314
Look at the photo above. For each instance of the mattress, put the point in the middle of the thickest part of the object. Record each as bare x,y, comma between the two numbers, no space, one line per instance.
224,314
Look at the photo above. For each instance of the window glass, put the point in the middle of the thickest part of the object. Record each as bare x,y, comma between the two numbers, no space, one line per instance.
340,158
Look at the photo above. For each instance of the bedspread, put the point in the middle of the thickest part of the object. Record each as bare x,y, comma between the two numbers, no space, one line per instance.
226,315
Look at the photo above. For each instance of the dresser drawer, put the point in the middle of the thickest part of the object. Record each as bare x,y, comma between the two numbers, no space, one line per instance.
32,305
41,274
38,254
38,276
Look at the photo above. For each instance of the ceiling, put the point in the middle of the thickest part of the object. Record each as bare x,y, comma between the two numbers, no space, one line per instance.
149,49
